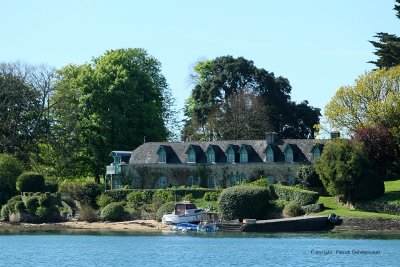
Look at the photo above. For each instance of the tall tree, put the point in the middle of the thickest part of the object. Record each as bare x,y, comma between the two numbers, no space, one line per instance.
387,48
111,104
216,80
242,116
373,100
24,94
379,145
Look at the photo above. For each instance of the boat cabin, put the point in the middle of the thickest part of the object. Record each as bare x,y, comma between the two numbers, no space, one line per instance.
186,207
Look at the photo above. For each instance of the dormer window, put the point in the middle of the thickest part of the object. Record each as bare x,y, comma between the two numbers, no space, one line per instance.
289,154
210,155
162,155
244,156
316,153
191,155
269,154
230,155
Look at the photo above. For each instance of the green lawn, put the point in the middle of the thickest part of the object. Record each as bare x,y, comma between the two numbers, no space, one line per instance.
392,195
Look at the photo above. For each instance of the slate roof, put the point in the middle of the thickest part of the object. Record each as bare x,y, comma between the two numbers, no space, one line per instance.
176,151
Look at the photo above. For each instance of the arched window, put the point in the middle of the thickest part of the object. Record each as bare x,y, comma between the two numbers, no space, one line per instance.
316,153
162,157
244,158
230,155
288,155
269,155
191,156
210,156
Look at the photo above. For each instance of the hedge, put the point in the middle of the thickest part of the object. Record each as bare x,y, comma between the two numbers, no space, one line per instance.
165,209
290,193
241,202
120,195
313,208
30,182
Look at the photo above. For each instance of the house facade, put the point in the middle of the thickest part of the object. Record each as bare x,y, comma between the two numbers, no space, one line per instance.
216,163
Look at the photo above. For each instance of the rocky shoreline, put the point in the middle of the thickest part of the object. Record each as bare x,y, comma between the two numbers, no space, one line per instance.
348,225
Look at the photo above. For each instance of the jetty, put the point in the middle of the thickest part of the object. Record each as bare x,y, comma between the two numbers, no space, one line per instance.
295,224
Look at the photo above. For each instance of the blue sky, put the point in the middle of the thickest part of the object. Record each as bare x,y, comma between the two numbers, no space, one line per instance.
319,45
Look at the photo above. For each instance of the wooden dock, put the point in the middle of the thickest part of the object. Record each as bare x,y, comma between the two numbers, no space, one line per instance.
295,224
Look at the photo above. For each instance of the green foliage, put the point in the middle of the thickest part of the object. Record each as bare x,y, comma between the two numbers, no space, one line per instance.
187,197
99,104
372,100
260,182
161,196
308,177
44,200
345,170
32,204
112,212
5,212
23,121
42,212
240,202
30,182
19,206
290,193
103,200
88,214
211,196
85,192
137,198
292,209
10,169
166,208
223,84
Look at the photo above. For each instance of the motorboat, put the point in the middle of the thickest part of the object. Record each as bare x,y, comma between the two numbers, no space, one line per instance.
184,212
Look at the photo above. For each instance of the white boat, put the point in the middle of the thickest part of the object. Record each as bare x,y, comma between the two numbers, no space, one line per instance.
184,212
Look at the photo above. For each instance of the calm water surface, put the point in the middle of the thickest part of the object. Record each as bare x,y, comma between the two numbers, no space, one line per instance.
218,249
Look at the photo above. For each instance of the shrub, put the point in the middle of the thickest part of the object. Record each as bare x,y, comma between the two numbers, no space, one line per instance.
32,204
19,206
30,182
211,196
137,198
87,214
187,197
112,212
308,177
42,212
165,209
292,209
290,193
44,200
103,200
313,208
10,169
345,170
5,212
240,202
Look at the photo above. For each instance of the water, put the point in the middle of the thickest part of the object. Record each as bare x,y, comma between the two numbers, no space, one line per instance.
217,249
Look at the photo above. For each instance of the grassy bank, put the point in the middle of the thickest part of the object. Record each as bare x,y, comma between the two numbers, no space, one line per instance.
392,195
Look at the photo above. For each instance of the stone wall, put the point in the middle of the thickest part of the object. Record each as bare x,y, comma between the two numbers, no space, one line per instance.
149,175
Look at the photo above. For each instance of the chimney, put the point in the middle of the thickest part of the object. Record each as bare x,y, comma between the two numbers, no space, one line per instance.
335,134
271,138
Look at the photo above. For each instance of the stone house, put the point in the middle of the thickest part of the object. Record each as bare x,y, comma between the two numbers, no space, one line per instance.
212,163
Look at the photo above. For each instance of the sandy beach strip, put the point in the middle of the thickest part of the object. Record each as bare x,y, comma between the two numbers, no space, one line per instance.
127,226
